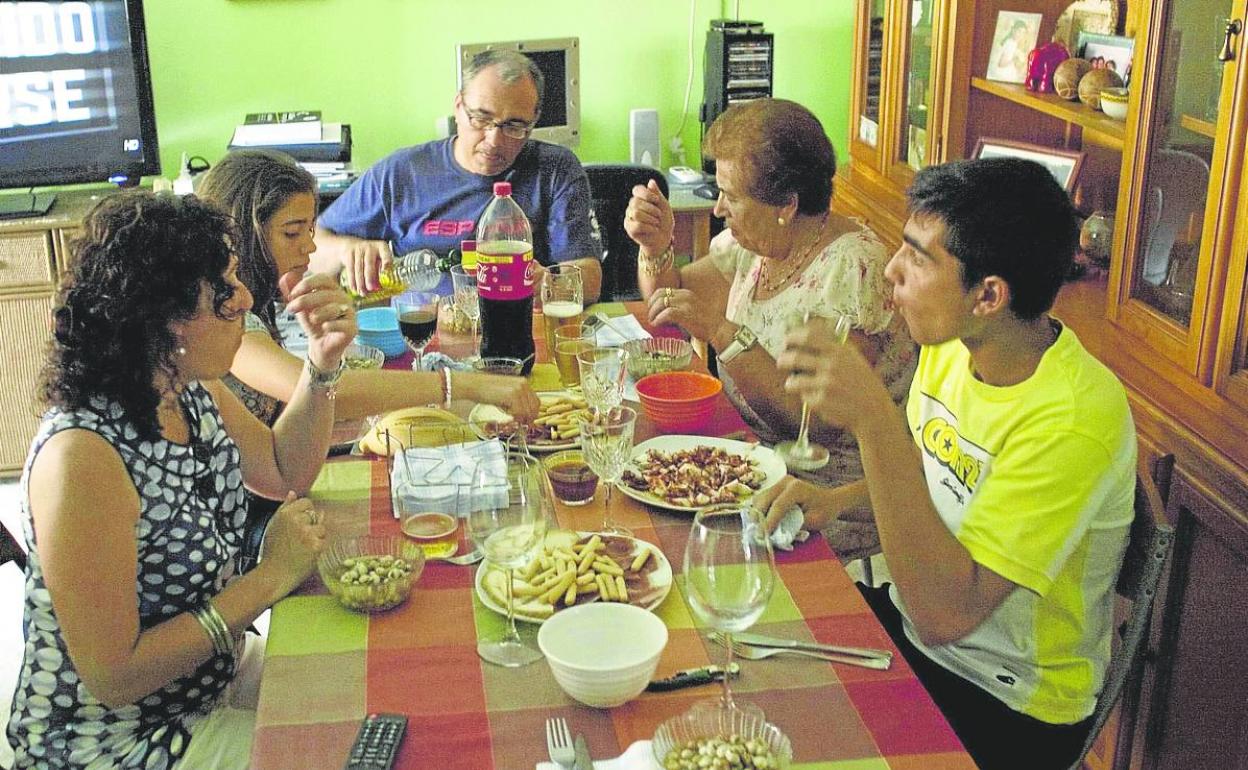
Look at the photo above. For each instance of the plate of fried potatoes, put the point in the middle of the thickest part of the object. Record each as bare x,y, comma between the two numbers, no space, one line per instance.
578,568
558,423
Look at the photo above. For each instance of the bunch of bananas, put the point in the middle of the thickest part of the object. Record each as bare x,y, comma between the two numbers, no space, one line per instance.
415,426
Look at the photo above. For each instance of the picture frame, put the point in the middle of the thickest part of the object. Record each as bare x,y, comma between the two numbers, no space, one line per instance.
1110,51
1064,165
1098,16
1014,38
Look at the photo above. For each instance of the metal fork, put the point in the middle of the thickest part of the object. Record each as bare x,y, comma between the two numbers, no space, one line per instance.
750,652
559,742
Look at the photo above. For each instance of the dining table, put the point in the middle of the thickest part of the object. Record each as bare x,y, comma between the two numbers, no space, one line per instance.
326,667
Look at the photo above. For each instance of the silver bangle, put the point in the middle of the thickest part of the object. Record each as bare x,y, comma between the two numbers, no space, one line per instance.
446,387
327,381
214,626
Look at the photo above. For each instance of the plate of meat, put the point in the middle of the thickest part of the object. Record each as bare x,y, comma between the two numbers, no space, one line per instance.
685,473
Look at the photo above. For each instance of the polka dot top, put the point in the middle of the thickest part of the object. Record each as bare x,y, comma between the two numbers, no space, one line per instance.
188,532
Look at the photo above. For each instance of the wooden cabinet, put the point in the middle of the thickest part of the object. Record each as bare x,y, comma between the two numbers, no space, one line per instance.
1170,316
33,255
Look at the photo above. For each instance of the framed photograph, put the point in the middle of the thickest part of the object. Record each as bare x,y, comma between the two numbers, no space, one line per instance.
1099,16
1108,52
1062,164
1013,39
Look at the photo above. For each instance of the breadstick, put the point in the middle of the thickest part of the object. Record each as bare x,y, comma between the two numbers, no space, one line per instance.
640,560
621,588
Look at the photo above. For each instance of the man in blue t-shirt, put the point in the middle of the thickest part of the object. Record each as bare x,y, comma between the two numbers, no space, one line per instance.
431,195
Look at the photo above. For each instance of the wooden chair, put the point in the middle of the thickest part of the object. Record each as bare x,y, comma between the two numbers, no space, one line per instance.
1148,547
10,549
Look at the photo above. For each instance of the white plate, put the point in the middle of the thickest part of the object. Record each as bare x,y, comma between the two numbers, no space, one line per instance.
661,578
483,413
768,462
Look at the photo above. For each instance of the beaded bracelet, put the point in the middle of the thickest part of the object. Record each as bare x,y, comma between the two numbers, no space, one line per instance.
214,626
664,262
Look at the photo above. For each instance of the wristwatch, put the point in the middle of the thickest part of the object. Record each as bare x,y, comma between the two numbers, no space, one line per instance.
327,381
742,341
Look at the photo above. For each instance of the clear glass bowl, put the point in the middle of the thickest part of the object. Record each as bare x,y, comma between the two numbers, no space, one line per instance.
657,354
360,356
390,590
707,721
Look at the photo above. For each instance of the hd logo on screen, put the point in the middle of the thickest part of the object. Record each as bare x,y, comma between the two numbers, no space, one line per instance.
57,65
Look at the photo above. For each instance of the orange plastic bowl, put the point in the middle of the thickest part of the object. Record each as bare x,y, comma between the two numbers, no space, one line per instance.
678,402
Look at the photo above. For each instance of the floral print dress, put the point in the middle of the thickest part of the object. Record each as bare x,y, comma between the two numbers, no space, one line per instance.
845,279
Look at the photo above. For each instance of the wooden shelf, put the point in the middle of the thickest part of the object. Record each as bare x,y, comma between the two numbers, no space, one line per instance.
1197,125
1077,113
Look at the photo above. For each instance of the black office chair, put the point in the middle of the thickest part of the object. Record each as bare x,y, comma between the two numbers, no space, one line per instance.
612,185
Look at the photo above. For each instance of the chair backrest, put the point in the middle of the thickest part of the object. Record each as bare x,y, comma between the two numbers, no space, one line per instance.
1148,547
611,185
10,549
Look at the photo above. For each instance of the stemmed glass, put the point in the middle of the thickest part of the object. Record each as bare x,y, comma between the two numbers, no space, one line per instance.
603,373
507,520
418,320
607,443
466,298
729,576
802,455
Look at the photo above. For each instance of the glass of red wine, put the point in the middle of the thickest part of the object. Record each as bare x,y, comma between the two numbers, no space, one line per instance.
418,320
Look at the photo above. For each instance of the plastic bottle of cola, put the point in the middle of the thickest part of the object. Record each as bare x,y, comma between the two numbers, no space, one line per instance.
505,273
418,271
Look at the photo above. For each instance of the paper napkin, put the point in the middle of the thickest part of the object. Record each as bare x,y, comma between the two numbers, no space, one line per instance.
439,478
639,756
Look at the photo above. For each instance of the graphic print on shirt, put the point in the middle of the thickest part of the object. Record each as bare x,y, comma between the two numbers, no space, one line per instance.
954,466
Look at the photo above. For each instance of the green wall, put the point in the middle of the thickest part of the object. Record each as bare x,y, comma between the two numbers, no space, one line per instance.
387,67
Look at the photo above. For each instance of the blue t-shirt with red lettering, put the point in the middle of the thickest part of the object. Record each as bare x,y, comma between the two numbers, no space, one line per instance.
421,198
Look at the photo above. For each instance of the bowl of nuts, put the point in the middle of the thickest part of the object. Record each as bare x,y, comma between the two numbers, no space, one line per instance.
371,573
358,356
657,354
706,736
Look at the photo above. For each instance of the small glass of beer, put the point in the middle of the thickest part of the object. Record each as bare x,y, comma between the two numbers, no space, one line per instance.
569,341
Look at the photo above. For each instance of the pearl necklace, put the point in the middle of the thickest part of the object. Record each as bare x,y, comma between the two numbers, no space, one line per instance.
768,284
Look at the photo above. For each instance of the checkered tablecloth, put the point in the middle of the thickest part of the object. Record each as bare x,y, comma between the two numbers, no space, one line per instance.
326,667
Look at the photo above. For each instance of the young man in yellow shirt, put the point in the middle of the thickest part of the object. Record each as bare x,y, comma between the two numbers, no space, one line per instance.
1004,496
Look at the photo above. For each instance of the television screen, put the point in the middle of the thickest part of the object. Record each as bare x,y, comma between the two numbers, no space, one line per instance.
75,93
559,60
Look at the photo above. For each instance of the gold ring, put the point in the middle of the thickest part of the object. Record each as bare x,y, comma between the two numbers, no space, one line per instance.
668,293
667,301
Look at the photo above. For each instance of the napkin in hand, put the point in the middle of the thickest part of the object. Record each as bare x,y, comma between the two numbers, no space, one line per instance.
439,478
789,530
639,756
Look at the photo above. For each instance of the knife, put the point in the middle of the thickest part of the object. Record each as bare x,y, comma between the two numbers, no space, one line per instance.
759,640
692,677
582,761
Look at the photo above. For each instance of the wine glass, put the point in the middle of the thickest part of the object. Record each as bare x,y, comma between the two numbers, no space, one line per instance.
466,299
729,577
507,520
603,372
418,320
607,443
802,455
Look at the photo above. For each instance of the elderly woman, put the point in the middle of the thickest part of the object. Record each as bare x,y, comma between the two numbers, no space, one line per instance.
133,494
782,252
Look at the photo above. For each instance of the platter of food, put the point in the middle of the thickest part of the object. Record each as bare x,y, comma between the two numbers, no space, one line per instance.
685,473
578,568
558,423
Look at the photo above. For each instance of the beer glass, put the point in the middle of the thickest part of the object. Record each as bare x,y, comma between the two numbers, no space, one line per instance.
563,301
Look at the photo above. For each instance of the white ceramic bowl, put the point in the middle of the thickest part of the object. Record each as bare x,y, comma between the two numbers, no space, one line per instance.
603,654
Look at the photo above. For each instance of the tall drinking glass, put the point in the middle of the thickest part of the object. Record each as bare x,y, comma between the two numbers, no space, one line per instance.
729,577
603,373
563,301
570,342
802,454
418,320
466,299
607,443
507,520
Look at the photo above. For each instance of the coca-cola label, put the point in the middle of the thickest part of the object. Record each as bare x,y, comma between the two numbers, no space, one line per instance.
506,276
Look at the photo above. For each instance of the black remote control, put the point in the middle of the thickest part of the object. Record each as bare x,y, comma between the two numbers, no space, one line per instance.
377,743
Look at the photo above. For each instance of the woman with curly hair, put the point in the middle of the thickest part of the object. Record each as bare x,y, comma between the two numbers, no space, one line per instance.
133,495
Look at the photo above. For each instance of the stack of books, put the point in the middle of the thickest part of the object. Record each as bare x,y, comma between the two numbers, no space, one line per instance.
301,134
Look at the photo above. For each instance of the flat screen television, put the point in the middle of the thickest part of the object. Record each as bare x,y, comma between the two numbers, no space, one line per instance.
559,59
75,97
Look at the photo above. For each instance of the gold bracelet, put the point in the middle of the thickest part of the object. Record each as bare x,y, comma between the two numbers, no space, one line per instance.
664,262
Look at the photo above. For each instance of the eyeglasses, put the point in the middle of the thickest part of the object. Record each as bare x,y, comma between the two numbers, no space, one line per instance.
512,129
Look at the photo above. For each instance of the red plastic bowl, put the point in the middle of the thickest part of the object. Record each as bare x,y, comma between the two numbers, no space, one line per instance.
678,402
